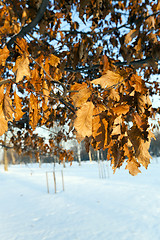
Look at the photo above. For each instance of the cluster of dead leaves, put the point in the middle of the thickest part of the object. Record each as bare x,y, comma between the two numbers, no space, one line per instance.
107,122
9,110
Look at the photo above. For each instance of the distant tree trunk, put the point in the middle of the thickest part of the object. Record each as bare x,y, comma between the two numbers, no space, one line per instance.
90,156
13,157
5,159
39,160
79,154
98,157
64,163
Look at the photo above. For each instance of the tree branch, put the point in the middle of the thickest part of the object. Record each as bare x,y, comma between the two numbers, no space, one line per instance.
31,25
118,64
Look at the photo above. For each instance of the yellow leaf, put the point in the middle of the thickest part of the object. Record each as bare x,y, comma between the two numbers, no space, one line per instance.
34,111
45,91
4,53
54,60
117,126
3,122
8,108
141,146
132,34
109,79
133,166
21,68
100,127
144,102
150,22
83,121
18,111
121,109
81,96
1,93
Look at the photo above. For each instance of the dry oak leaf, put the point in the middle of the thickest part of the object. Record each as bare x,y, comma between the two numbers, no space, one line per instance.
8,108
121,109
132,34
3,122
114,94
22,46
109,79
140,145
137,83
45,91
54,60
156,51
4,53
100,127
144,102
150,22
1,93
21,68
117,126
83,121
18,111
133,166
81,96
34,111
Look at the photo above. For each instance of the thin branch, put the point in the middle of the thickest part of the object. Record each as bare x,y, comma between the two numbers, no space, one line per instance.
5,146
136,62
82,69
110,30
118,64
31,25
5,81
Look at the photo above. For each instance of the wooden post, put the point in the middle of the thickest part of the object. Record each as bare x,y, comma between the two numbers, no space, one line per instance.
62,180
54,177
47,182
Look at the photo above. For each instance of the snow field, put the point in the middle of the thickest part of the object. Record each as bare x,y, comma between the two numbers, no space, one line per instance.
121,207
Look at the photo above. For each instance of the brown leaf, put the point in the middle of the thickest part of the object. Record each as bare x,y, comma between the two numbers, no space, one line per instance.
117,126
3,122
1,93
45,91
4,53
81,96
83,121
133,166
137,83
144,102
105,64
114,95
100,127
54,60
121,109
156,51
150,22
108,80
8,108
21,68
141,146
132,34
22,46
18,111
34,111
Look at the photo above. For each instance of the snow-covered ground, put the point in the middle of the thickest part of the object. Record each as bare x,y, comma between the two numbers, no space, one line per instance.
117,207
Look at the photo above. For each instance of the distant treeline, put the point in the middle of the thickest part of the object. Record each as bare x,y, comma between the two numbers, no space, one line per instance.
80,154
155,145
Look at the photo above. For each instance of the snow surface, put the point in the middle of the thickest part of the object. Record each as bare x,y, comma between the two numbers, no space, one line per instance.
117,207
